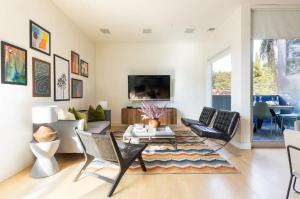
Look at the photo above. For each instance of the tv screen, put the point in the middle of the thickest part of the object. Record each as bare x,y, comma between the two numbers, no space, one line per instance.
149,87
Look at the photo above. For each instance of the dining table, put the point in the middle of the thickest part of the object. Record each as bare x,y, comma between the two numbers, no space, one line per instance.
273,108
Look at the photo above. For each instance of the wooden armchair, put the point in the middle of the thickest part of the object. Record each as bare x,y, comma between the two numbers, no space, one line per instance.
104,147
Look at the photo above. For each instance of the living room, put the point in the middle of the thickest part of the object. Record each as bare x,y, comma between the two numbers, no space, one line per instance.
101,46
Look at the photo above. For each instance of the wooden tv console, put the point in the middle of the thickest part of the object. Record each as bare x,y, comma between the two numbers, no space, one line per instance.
133,116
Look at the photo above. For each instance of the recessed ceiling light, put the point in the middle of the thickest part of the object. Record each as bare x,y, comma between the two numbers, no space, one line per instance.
189,30
147,30
211,29
105,30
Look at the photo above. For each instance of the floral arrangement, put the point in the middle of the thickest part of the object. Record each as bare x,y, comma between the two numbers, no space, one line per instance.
150,111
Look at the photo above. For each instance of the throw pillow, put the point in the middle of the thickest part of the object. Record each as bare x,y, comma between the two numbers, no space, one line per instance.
100,113
69,116
81,116
72,110
60,114
92,114
64,115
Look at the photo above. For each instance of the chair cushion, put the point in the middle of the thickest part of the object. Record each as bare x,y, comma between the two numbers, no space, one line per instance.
97,127
189,122
206,115
129,151
226,121
208,132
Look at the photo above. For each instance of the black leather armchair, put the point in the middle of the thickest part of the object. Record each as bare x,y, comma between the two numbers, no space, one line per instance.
205,118
224,127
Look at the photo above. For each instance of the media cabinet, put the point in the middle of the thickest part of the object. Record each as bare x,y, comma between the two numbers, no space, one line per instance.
133,116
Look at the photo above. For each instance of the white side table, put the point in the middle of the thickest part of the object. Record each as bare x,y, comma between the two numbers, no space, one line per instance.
45,164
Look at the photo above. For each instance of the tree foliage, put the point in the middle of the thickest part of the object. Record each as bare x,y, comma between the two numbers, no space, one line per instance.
263,78
221,83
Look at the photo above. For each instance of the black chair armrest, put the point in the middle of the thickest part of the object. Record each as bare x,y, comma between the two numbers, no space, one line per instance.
289,147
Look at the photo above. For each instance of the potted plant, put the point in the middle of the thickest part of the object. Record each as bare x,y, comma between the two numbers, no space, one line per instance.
153,113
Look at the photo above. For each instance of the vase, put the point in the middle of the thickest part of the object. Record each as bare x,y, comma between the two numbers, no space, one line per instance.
45,134
154,123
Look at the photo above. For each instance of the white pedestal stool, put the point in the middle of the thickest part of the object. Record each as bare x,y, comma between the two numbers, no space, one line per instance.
45,164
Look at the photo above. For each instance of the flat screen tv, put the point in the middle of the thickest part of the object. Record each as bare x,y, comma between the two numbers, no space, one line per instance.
149,87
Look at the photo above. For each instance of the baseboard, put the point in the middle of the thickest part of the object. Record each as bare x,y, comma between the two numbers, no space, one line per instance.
241,145
273,144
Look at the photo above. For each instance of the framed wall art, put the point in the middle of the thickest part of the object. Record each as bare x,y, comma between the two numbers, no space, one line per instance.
74,63
61,79
84,68
77,88
41,78
13,64
40,38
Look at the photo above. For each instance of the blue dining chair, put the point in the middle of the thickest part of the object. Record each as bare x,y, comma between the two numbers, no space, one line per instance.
261,111
294,115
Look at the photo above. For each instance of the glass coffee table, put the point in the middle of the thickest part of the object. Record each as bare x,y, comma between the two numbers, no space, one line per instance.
137,132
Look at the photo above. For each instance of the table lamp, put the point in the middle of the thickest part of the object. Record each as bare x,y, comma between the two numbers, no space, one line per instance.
44,115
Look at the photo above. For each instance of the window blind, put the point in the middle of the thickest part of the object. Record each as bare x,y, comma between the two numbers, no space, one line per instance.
275,24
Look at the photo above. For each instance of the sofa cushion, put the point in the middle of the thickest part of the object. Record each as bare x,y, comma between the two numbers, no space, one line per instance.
189,122
208,132
64,115
207,115
97,127
226,121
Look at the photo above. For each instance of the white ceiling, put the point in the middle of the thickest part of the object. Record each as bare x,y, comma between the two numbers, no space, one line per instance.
126,19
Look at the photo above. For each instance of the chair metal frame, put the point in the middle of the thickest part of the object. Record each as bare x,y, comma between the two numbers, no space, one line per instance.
122,164
221,146
293,176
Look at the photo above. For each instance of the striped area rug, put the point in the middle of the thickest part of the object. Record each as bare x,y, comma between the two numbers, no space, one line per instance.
161,157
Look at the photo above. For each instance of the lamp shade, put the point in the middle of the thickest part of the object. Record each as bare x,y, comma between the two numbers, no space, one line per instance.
44,114
103,104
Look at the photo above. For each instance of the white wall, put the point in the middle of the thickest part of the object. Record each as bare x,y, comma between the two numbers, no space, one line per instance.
229,37
16,101
181,60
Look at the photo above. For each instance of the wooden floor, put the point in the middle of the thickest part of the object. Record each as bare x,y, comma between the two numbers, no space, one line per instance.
263,175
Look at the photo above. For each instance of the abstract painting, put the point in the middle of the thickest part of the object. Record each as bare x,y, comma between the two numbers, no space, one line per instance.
77,88
293,56
41,78
61,79
13,64
74,63
84,67
40,38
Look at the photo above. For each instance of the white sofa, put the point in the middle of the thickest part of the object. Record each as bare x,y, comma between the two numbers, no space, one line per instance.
69,142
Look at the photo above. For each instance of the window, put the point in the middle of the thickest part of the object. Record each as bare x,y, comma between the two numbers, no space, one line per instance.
221,83
265,60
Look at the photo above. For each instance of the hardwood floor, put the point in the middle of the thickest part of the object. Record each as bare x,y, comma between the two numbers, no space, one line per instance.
264,174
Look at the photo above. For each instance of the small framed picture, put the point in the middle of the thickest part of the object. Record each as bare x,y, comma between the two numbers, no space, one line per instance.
77,88
13,64
40,38
74,63
41,78
61,79
84,68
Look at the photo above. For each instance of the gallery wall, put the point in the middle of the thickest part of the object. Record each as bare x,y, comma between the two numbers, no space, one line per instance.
180,60
16,100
